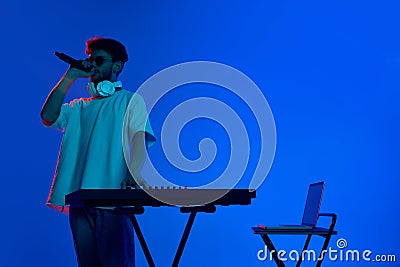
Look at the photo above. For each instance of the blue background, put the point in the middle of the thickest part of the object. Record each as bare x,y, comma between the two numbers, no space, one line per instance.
329,70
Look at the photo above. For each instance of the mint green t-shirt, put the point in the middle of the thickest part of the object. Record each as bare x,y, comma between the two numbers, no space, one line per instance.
91,154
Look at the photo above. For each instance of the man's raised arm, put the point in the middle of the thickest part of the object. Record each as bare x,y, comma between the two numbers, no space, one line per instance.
52,106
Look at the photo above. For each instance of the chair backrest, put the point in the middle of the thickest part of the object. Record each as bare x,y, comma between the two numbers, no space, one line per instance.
313,204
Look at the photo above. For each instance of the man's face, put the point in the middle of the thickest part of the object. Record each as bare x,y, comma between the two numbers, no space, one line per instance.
103,64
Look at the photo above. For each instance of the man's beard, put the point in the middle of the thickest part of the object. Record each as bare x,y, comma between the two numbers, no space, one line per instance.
96,78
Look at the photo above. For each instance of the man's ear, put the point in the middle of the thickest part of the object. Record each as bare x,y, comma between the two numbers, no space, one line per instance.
118,65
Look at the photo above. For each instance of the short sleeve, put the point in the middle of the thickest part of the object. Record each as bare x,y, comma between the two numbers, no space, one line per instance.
136,119
63,118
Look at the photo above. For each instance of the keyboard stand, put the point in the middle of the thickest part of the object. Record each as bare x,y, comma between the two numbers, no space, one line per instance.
193,212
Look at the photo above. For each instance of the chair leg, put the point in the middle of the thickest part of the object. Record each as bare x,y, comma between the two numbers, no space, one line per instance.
324,247
327,237
272,250
304,248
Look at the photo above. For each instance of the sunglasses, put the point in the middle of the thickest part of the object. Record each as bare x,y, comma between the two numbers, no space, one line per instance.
98,60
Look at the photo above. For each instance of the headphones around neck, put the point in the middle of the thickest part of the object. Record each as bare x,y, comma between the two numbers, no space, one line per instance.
104,88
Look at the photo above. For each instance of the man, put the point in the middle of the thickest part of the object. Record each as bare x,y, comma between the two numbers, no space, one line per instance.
91,153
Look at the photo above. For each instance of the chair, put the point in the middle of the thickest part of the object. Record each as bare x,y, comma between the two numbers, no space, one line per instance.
307,227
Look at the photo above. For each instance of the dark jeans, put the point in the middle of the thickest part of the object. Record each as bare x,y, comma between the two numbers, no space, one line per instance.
102,237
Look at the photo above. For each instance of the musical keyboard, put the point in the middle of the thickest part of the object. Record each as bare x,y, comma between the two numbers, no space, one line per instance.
159,197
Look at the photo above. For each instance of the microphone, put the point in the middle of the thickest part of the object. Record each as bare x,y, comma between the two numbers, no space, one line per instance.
74,63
